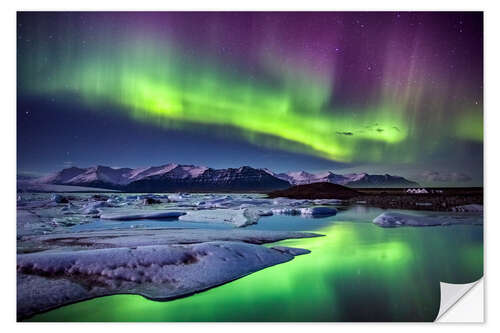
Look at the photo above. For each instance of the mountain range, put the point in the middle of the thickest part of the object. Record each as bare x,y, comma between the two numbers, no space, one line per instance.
177,177
349,180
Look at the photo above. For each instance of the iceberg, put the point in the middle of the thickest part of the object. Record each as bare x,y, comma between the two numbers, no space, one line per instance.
136,214
236,217
400,219
318,211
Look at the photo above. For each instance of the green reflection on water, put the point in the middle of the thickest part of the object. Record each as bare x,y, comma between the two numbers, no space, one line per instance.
357,272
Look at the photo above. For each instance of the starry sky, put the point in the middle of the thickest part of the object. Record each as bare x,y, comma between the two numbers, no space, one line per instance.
395,92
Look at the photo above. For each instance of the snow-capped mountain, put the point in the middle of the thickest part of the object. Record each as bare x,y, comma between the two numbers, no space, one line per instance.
117,177
169,177
177,177
350,180
207,179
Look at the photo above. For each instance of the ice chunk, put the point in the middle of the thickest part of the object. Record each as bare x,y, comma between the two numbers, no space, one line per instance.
318,211
59,198
91,208
136,214
327,201
392,219
286,211
237,217
265,212
177,197
308,211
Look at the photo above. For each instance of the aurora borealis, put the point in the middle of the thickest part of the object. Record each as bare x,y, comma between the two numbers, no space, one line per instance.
313,90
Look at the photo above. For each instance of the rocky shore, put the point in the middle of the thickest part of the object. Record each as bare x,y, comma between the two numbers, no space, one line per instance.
442,199
448,200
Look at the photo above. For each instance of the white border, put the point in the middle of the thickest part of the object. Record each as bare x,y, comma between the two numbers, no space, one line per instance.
8,167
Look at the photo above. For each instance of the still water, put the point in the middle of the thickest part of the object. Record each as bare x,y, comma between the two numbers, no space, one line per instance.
356,272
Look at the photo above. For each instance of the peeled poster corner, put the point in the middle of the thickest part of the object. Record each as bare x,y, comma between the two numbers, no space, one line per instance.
461,303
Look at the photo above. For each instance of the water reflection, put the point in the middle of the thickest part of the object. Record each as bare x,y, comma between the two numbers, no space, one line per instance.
357,272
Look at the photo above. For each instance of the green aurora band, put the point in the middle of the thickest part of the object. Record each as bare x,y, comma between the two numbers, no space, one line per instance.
161,84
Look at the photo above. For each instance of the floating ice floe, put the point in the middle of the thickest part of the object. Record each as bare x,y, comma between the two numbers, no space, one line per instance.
59,198
178,197
399,220
327,201
68,221
308,211
136,214
161,272
290,202
236,217
286,211
91,208
264,212
318,211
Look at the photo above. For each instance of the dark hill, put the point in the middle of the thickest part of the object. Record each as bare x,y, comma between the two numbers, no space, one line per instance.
316,191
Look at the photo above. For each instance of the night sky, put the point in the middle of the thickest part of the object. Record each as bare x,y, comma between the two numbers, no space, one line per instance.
395,92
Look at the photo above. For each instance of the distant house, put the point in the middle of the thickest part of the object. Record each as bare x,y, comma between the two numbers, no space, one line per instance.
417,191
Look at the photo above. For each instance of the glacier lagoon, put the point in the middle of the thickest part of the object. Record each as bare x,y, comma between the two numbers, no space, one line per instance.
357,272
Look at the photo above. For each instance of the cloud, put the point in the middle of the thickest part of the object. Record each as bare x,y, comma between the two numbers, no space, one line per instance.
442,177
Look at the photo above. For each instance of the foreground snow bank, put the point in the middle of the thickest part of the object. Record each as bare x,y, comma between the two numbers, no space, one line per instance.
399,219
160,272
